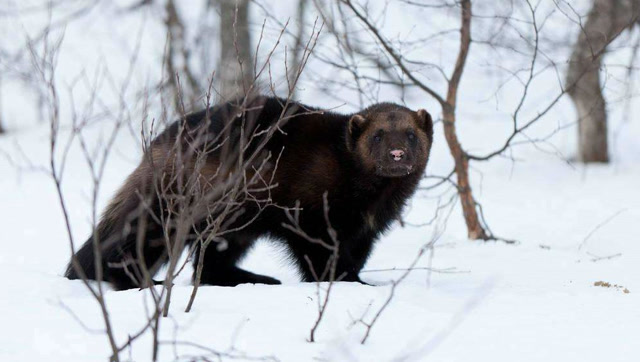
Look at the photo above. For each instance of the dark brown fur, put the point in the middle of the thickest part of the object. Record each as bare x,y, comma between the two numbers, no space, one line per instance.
347,156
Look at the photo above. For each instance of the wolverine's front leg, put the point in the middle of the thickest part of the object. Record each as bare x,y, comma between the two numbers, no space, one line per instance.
219,263
319,263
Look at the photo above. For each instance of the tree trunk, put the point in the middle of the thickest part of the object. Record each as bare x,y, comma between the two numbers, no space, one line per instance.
182,80
606,20
235,70
474,227
298,46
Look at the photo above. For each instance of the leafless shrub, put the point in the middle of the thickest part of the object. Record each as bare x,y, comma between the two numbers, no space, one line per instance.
514,31
441,225
329,272
215,203
190,200
44,69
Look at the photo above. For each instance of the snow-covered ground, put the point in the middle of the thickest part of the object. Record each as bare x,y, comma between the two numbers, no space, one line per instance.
535,300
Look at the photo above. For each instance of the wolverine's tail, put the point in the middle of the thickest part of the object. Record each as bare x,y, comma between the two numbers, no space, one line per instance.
116,237
86,263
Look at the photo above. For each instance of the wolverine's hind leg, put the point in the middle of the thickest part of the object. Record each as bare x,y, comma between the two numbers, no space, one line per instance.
121,263
126,268
220,258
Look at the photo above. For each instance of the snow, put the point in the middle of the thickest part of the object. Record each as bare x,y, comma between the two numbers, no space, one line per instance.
535,300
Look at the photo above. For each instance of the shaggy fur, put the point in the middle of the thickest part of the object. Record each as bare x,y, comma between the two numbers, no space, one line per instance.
348,156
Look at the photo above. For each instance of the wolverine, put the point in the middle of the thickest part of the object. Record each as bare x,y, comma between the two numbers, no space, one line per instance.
300,176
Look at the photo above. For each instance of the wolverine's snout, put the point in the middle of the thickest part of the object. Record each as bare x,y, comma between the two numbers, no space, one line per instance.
397,154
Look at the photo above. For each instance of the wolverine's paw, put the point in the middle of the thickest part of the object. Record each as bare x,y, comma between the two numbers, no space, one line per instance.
233,276
263,279
352,277
240,276
156,282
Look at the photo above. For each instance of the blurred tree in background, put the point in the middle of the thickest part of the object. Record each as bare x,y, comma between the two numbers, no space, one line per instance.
605,22
236,61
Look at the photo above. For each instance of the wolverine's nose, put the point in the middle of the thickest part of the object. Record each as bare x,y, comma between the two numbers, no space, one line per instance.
397,154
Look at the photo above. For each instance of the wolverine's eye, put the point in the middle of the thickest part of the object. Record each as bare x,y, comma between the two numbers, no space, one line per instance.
378,136
411,136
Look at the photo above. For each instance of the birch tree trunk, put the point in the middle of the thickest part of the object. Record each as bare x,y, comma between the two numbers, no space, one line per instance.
235,69
606,20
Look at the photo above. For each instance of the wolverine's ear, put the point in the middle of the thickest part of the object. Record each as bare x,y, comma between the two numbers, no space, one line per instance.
356,123
427,122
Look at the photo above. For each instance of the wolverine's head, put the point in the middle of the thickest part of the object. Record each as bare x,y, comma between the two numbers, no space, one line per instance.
391,140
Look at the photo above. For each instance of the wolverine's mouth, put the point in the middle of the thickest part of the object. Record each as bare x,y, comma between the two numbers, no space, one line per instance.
397,170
